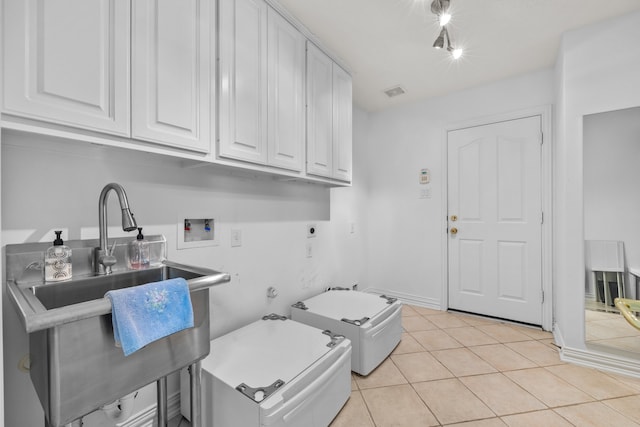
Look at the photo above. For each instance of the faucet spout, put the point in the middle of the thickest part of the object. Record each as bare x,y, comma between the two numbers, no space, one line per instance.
103,257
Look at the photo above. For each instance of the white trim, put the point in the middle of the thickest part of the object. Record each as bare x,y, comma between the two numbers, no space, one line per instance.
148,417
545,113
444,236
419,301
558,338
599,360
2,379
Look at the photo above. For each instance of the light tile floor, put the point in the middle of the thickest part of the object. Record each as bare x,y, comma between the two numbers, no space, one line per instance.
612,330
458,370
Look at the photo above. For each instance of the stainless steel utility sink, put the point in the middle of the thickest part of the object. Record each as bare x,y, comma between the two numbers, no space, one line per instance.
75,365
61,294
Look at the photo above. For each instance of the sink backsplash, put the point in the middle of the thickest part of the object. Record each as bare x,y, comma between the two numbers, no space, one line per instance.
25,262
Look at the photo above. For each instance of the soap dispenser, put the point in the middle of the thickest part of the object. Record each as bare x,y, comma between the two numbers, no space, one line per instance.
57,261
139,252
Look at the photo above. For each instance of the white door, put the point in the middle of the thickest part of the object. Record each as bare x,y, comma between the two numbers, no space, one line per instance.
495,216
286,61
319,112
170,72
67,62
342,124
243,80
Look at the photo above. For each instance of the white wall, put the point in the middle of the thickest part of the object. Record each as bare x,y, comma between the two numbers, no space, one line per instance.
598,69
611,196
51,184
406,234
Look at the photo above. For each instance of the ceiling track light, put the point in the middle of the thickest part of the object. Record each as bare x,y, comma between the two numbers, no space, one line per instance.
439,43
440,8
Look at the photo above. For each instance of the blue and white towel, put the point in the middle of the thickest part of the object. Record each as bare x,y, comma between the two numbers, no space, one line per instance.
143,314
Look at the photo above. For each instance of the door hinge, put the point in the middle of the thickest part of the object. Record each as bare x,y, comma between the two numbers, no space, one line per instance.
542,292
541,138
541,217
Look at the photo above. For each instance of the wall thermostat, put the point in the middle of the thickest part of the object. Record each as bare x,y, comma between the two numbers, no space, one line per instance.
311,230
425,176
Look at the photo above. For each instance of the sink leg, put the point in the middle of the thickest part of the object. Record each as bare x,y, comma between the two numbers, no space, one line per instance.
195,371
162,402
76,423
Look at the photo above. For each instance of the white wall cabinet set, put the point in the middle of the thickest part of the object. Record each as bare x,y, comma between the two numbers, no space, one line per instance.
144,71
329,118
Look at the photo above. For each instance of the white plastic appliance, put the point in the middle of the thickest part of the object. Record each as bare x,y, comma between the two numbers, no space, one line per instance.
373,323
274,372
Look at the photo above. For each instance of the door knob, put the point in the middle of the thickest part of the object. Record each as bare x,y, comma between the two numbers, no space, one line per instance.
454,217
454,230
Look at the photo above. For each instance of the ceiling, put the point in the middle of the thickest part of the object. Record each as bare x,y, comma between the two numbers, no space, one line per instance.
385,43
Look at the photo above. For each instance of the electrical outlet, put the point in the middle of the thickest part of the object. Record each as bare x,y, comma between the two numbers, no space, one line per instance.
236,238
309,250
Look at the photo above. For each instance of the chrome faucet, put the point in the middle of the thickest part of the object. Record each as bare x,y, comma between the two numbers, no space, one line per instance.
103,257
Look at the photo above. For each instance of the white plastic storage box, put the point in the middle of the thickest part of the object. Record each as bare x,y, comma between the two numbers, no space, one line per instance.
273,372
373,323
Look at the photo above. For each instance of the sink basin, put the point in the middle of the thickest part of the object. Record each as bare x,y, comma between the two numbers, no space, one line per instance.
61,294
75,365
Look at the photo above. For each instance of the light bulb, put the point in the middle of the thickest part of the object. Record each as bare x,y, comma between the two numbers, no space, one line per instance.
444,18
456,53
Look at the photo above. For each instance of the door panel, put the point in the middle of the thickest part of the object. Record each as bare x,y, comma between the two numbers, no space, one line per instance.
471,271
170,72
495,259
319,112
243,80
67,62
286,61
342,124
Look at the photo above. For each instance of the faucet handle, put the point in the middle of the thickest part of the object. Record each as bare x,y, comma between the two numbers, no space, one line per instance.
111,251
107,259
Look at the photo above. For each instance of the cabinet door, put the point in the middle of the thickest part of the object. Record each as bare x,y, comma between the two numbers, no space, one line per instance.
319,112
286,47
243,80
170,72
342,126
67,62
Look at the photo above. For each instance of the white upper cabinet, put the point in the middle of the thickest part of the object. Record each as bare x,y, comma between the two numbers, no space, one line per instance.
243,80
261,86
329,117
170,75
286,46
319,112
176,77
67,62
137,69
342,124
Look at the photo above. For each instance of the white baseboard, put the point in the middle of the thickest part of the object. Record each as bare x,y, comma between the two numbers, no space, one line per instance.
148,417
602,361
432,303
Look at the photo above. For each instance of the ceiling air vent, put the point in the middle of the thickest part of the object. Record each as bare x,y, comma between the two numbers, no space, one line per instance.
394,91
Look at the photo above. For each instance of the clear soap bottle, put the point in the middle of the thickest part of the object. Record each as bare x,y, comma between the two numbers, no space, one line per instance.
57,261
139,252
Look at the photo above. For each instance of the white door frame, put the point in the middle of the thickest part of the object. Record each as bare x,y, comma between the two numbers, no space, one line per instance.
545,113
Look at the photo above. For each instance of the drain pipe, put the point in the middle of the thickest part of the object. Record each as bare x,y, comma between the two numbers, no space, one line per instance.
120,410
